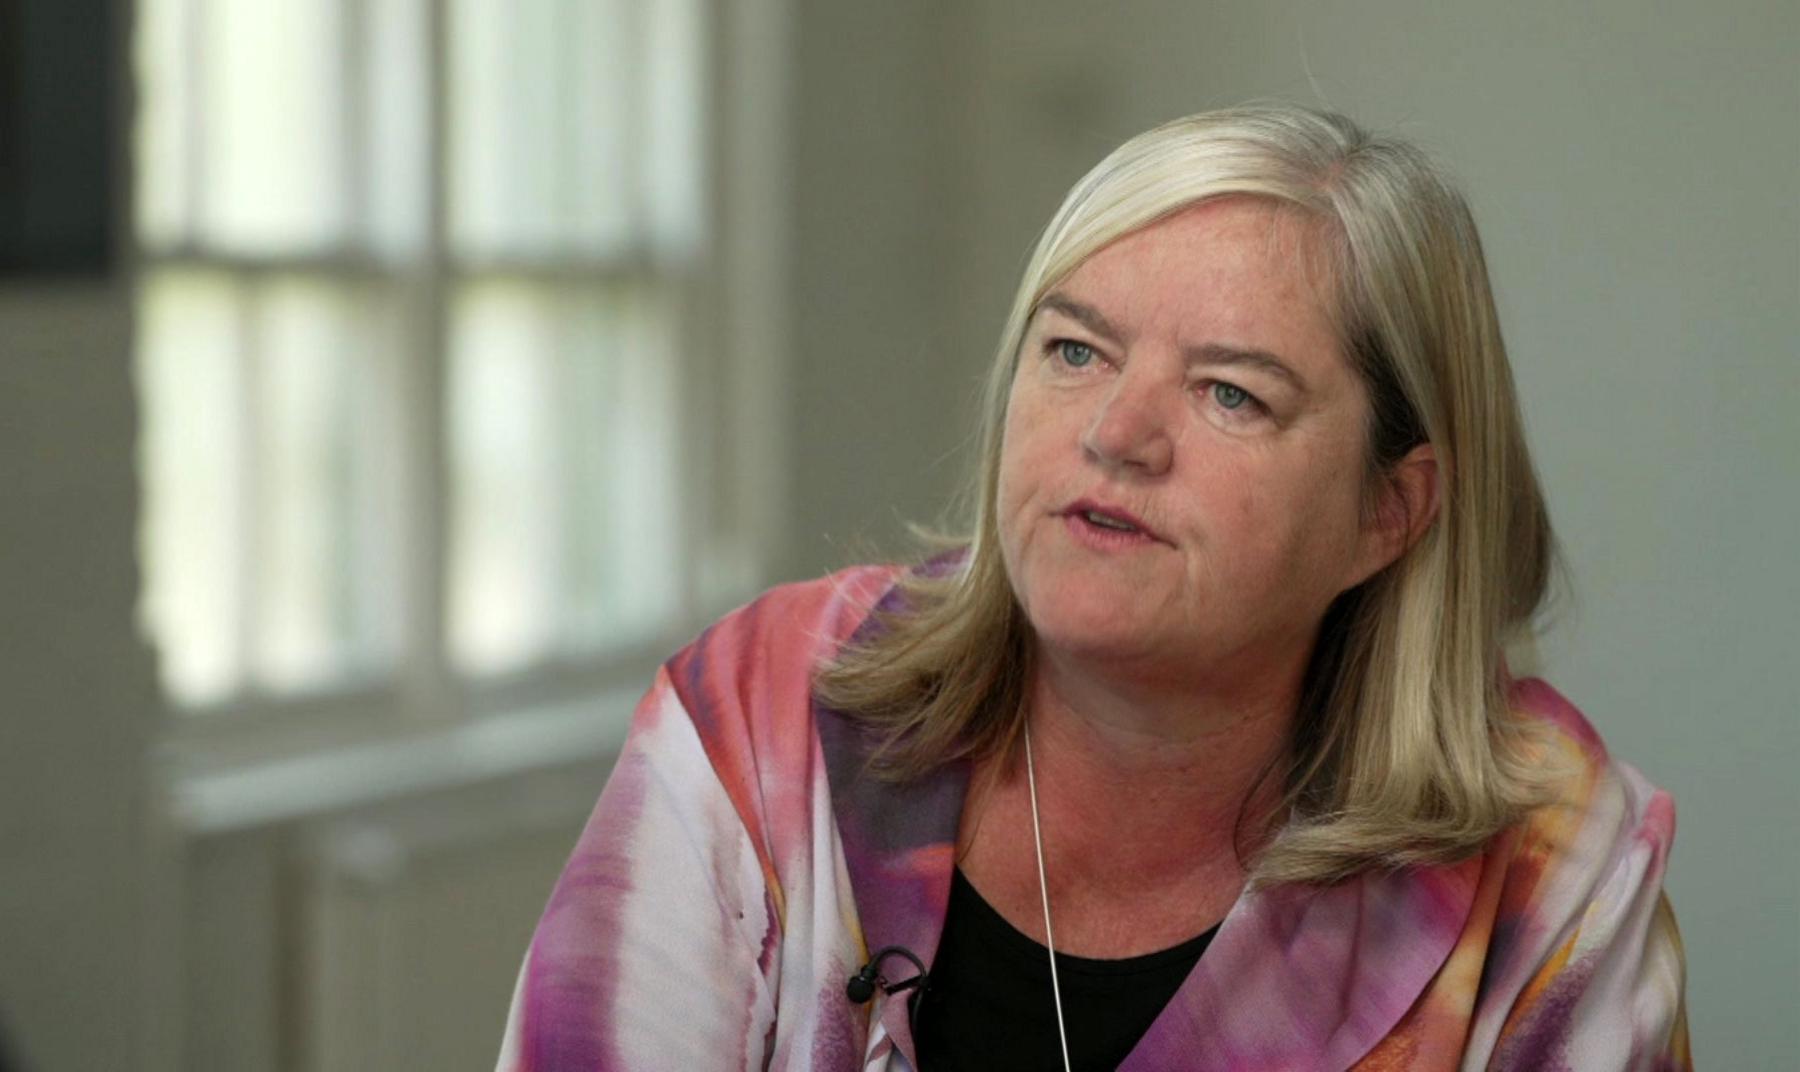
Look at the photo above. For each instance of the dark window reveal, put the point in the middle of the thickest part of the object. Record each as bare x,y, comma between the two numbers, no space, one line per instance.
58,62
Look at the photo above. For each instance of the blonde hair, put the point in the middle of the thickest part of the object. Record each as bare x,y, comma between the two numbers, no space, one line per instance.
1404,751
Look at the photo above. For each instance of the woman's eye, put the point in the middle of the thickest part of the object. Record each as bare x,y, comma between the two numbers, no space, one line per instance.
1074,354
1231,396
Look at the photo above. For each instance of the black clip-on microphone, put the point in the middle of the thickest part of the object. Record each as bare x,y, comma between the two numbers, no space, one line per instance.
861,986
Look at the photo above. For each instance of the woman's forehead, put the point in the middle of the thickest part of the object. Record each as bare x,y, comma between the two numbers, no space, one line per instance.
1226,264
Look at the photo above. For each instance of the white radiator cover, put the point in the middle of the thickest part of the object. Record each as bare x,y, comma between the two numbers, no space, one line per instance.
408,925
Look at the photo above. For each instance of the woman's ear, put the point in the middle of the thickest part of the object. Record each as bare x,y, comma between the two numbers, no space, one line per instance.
1408,506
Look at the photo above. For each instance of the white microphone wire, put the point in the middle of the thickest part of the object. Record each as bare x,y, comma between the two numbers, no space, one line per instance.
1037,836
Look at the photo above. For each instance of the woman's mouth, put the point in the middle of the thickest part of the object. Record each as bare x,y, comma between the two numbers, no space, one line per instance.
1107,521
1108,526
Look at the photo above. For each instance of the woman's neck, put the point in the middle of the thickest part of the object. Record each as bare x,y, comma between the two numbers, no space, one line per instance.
1156,780
1150,807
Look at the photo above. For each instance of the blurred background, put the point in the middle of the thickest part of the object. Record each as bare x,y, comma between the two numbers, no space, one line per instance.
387,385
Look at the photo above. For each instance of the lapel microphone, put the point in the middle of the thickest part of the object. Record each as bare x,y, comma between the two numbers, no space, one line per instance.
863,984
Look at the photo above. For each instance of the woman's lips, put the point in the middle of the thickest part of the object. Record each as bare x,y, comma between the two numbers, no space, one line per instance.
1107,526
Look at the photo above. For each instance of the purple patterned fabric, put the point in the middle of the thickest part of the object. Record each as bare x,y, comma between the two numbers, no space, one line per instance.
739,866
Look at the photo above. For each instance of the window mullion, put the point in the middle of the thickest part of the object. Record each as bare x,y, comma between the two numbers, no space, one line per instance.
709,451
564,95
249,479
429,687
356,22
193,122
747,134
563,356
642,233
666,273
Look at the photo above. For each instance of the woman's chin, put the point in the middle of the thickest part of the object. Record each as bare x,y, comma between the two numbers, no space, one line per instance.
1094,631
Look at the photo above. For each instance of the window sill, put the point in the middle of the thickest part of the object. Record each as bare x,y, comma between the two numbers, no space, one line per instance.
253,793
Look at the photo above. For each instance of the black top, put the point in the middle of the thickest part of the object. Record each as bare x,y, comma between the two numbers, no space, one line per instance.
989,1005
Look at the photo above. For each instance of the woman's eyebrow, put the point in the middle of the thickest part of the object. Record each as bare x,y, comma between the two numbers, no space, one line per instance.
1213,353
1089,317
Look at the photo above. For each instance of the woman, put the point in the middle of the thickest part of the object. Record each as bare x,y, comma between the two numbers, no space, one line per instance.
1211,703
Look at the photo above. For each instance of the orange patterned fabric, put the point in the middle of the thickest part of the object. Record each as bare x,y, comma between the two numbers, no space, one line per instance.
740,866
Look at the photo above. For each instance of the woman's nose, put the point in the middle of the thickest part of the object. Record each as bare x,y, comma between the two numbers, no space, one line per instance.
1131,429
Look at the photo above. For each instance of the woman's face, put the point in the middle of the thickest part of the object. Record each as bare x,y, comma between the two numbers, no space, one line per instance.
1181,473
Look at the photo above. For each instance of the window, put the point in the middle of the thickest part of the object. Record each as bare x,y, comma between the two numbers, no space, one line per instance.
422,344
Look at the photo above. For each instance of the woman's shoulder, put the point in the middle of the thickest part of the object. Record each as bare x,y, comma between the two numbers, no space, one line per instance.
1585,945
1591,787
1567,955
790,626
745,683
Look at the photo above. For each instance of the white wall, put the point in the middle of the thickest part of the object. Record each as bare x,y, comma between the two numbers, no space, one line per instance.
878,388
1636,170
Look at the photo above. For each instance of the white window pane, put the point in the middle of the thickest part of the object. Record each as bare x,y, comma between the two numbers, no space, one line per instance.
395,125
163,104
619,420
565,533
326,608
192,533
602,74
674,126
271,86
502,394
543,113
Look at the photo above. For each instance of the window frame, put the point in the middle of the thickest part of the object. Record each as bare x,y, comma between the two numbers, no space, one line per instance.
733,297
